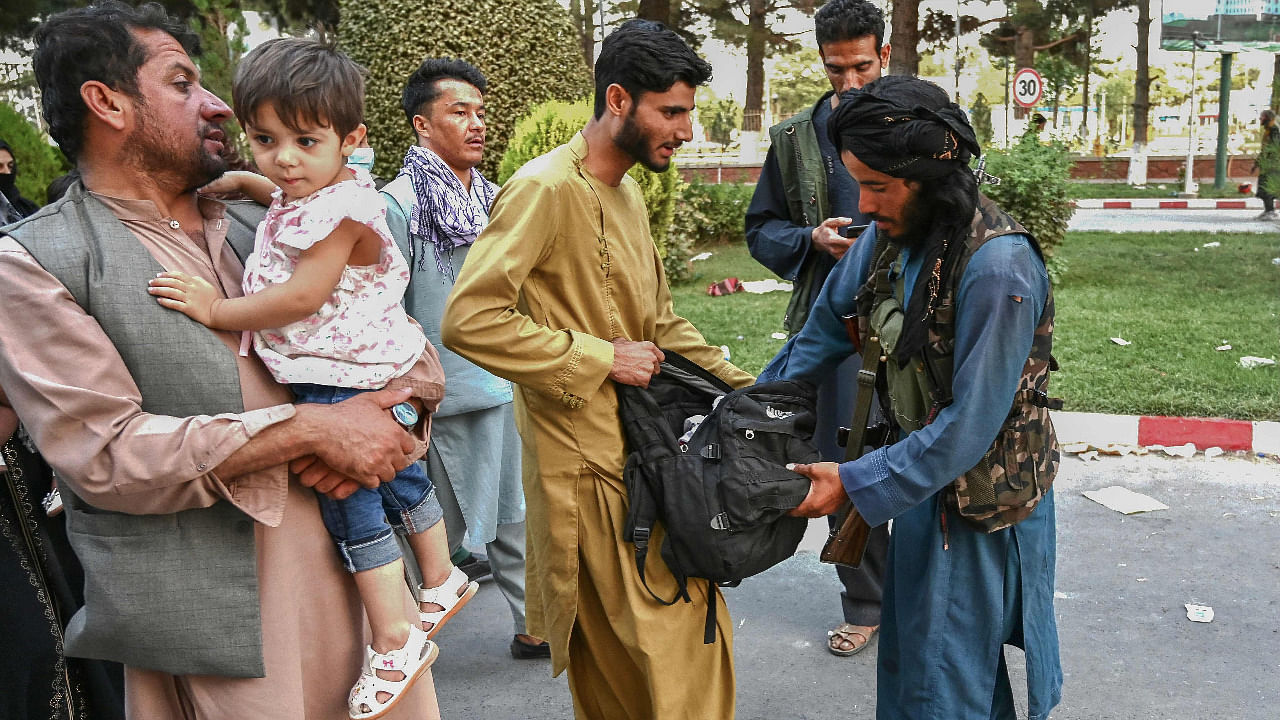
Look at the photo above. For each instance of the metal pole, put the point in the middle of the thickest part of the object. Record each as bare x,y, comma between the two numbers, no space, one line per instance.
1189,184
1224,121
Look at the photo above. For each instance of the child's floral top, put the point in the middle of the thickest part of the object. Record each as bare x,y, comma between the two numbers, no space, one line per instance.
361,337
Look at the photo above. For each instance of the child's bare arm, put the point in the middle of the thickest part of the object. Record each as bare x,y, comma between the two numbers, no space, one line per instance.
313,280
256,186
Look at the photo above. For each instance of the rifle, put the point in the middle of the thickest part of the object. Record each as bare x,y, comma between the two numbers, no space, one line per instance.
847,543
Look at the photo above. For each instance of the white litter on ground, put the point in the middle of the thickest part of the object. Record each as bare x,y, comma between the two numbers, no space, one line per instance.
1213,244
700,256
1123,500
1199,613
1220,348
1249,362
1120,341
760,287
779,336
1182,451
1213,452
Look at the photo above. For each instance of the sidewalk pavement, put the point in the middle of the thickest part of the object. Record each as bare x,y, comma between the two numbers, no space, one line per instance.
1101,429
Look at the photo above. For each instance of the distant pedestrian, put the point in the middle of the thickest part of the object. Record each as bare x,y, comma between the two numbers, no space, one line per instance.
1268,164
13,207
436,207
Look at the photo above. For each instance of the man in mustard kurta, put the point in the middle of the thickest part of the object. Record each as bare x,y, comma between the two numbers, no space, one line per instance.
564,294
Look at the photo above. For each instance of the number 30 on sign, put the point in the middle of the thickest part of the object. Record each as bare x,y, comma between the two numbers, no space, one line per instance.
1027,87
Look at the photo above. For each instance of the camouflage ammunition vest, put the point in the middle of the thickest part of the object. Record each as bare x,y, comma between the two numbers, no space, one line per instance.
1019,467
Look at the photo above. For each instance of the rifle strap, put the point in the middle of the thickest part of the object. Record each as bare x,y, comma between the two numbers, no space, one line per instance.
872,362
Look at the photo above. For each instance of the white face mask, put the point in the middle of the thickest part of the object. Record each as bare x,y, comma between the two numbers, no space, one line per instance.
362,158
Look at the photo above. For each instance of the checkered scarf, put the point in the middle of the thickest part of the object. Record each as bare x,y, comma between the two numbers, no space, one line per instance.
443,215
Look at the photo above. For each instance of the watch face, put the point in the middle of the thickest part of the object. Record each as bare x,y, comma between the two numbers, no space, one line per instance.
404,414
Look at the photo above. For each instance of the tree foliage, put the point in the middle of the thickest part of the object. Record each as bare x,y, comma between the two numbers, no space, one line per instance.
749,24
528,51
798,81
719,118
981,116
1033,189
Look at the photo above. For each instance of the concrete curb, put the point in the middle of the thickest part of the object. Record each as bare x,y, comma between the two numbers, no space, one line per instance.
1252,203
1100,429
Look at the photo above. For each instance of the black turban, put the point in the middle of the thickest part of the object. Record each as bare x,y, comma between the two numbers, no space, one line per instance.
904,127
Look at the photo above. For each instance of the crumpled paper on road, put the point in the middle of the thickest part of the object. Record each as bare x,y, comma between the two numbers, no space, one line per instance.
1124,500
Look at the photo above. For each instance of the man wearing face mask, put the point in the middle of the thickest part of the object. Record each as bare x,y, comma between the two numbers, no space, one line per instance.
954,303
13,206
797,226
362,157
436,207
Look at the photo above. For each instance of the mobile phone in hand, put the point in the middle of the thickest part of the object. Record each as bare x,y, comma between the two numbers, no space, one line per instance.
852,231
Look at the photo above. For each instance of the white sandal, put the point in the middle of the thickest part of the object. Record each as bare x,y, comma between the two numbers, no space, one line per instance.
413,659
446,596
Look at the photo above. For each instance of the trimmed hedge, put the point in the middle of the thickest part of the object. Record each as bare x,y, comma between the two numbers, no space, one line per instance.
1034,189
528,51
552,124
39,163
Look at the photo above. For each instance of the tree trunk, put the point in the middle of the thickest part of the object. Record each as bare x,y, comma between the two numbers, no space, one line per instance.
1142,79
1088,64
582,13
1275,83
757,34
905,38
664,11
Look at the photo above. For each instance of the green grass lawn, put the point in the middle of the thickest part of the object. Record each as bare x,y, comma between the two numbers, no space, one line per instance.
1174,304
1124,191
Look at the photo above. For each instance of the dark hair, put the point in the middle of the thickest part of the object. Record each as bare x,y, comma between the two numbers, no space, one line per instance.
421,90
96,43
839,20
307,82
645,56
1268,114
6,146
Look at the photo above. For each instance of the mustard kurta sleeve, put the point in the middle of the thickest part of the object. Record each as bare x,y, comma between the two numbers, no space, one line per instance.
488,316
673,332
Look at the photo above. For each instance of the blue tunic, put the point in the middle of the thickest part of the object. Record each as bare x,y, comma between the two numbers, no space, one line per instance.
953,594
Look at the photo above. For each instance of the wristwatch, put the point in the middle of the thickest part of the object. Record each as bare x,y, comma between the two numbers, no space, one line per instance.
405,414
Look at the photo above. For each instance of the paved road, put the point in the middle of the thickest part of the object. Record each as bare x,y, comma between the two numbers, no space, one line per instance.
1207,221
1128,649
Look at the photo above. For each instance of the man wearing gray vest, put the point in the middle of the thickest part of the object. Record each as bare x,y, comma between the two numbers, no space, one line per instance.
208,572
797,226
436,207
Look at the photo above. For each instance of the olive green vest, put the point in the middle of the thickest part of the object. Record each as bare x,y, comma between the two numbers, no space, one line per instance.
176,592
804,183
1019,468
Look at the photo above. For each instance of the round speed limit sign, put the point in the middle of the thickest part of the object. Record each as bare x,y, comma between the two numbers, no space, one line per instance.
1027,87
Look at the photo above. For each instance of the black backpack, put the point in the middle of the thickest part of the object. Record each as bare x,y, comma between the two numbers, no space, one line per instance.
723,495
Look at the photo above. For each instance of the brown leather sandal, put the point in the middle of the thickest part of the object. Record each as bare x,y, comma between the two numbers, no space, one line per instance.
846,632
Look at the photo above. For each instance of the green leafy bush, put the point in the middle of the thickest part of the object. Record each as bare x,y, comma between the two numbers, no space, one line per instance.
1034,189
553,124
39,163
527,50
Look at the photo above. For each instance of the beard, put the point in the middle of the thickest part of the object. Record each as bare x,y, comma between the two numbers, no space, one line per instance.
638,144
917,221
161,154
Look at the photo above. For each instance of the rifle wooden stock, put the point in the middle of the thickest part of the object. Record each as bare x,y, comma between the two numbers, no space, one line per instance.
847,543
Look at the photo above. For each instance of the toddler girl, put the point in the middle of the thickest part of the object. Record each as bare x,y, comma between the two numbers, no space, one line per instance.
322,291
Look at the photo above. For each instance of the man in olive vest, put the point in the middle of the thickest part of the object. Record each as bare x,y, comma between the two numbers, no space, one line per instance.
803,208
956,314
208,571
